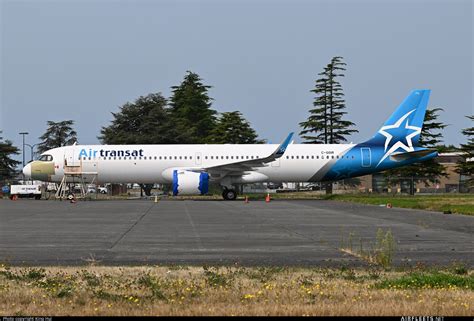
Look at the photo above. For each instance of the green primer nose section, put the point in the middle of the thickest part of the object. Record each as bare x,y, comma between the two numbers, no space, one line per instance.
42,171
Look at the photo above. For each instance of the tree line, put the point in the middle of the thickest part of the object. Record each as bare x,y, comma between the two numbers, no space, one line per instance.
187,117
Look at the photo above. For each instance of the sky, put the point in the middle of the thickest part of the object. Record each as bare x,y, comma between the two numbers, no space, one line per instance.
81,60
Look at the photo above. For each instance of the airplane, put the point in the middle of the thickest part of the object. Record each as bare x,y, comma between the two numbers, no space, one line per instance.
190,168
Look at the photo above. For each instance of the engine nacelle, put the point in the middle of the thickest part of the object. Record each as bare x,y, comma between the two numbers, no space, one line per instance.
188,183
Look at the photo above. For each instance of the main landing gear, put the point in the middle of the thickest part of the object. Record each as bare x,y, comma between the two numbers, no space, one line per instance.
229,194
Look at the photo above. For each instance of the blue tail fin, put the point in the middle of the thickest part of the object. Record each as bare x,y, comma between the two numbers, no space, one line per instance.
402,130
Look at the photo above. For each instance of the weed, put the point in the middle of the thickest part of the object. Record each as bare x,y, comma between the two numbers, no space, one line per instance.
34,274
104,295
384,248
215,278
428,280
91,279
459,268
9,275
65,291
153,285
264,274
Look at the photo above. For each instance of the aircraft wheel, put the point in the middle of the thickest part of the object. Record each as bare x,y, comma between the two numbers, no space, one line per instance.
229,194
70,196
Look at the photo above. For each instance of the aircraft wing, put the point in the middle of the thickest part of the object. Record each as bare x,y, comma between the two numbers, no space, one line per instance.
249,164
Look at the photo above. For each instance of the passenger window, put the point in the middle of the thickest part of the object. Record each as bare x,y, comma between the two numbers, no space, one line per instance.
297,157
312,156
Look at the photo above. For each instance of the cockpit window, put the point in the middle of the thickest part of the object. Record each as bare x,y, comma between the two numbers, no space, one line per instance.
46,158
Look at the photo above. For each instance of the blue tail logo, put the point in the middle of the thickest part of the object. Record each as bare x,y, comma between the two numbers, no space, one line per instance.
386,130
402,130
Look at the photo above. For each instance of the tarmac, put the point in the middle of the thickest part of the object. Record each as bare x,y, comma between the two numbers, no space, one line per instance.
176,232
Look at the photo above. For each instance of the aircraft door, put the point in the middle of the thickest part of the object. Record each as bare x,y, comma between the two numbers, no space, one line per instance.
366,157
71,157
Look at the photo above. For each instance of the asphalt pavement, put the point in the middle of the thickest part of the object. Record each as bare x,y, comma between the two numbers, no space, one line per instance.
290,233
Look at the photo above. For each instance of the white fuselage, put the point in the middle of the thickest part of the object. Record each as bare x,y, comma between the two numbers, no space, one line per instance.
155,163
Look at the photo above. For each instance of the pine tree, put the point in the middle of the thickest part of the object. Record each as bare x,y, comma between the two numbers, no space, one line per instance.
191,110
145,121
7,163
465,167
58,134
232,128
429,171
326,125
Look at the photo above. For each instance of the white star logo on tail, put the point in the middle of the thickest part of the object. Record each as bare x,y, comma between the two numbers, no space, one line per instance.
399,144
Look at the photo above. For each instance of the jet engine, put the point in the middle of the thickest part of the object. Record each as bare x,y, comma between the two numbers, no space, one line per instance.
188,182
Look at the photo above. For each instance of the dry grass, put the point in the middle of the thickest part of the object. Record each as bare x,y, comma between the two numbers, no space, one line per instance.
96,290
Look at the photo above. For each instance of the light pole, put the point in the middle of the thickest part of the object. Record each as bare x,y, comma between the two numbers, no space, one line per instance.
23,134
31,147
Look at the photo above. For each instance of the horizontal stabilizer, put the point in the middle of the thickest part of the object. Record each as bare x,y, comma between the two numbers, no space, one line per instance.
398,157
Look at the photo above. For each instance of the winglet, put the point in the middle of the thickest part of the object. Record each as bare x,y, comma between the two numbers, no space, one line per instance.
282,148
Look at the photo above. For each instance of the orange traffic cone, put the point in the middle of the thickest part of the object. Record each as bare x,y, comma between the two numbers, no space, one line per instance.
267,198
246,199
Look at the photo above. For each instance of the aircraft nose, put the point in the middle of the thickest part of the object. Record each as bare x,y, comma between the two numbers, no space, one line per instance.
27,171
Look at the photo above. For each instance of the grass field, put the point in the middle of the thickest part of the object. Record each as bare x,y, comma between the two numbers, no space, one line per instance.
96,290
455,203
